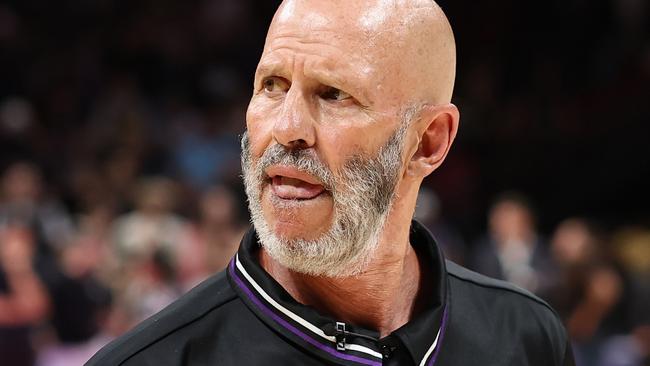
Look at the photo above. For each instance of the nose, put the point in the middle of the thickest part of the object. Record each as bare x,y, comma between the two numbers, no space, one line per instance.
294,127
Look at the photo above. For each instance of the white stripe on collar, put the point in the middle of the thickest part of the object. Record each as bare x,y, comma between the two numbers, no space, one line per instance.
305,323
433,346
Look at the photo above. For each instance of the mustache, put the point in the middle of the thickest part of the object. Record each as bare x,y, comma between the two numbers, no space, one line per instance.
305,160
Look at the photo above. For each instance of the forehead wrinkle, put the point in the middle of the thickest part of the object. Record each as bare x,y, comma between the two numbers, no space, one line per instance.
282,52
271,67
299,42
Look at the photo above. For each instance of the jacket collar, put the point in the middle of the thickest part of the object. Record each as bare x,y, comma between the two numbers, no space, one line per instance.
422,336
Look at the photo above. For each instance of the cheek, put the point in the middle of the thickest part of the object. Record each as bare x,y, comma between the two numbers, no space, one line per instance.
260,129
341,144
350,130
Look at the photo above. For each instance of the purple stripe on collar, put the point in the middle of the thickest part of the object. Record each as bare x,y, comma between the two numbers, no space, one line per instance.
443,327
290,327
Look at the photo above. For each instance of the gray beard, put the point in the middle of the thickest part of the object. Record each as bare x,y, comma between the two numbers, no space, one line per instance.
363,194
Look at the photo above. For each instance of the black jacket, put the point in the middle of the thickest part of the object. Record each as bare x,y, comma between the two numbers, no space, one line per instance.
242,316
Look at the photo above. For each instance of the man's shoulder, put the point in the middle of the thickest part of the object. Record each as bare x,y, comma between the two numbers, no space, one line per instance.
494,286
490,314
498,296
206,297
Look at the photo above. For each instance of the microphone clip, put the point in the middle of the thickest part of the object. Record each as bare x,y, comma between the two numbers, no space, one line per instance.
340,336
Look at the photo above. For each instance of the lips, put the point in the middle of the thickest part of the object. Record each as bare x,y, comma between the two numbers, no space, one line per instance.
292,184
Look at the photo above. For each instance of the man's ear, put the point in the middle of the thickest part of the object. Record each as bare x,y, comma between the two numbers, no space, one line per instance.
436,131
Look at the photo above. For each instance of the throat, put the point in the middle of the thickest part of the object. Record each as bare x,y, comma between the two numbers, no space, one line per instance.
379,299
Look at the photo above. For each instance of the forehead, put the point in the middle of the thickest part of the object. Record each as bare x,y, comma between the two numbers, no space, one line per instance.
323,47
353,39
363,14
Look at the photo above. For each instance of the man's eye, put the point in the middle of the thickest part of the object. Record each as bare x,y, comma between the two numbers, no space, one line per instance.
335,94
274,85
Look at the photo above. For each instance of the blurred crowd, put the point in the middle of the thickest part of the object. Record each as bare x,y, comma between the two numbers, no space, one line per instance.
598,281
70,282
119,163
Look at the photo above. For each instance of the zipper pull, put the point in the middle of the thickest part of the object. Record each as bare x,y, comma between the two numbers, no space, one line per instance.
340,336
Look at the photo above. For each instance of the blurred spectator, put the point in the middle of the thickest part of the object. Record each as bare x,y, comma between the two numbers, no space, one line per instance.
24,301
631,250
149,286
80,299
428,212
146,243
202,153
513,250
214,239
23,201
632,253
153,226
120,170
17,115
626,349
588,288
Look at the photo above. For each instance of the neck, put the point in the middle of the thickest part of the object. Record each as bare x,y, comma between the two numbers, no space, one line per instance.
386,302
383,297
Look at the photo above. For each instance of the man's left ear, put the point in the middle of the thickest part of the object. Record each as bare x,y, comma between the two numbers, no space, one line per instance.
436,131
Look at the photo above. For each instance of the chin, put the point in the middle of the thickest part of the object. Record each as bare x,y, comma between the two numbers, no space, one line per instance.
297,219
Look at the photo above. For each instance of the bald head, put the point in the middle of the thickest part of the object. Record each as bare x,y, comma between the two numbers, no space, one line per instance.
337,84
405,45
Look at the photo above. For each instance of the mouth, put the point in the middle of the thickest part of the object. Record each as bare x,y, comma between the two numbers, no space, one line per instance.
292,184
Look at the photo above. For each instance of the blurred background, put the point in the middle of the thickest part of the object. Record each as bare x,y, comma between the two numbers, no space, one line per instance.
119,162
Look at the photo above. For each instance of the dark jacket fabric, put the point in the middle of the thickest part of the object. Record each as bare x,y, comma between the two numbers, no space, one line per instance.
242,316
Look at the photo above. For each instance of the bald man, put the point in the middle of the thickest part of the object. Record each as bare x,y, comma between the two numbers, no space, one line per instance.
351,110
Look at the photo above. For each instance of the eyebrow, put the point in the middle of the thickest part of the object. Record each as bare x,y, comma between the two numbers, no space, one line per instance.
276,67
270,68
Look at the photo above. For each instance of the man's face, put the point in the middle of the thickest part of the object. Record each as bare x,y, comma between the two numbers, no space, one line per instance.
322,154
